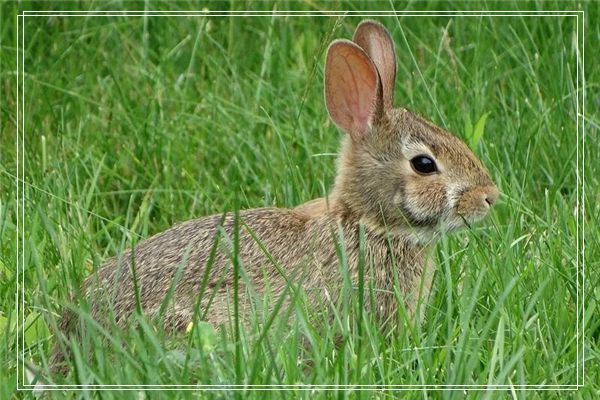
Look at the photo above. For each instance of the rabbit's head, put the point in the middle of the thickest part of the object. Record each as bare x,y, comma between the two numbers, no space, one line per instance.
397,172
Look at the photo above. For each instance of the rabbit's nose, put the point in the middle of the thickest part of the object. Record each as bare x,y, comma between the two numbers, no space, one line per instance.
491,195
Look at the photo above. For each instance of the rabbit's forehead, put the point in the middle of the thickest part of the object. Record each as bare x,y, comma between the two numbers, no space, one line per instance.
420,136
413,147
441,146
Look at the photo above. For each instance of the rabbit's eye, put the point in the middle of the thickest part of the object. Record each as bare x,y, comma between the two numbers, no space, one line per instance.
423,165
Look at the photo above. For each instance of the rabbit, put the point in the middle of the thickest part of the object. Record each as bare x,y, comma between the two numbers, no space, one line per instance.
404,179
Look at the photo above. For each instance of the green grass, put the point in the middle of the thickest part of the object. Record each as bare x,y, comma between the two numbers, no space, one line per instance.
134,124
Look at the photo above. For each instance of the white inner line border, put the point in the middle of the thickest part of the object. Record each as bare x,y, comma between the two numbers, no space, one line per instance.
579,211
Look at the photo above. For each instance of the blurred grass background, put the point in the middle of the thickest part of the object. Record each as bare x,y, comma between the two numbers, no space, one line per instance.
132,124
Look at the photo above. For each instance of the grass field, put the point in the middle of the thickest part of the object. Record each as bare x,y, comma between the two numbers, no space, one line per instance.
131,124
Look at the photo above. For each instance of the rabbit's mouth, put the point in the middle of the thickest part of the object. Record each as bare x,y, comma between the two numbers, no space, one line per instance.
460,220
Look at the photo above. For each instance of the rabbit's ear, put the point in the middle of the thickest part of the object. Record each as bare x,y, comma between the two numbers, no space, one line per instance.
352,88
376,41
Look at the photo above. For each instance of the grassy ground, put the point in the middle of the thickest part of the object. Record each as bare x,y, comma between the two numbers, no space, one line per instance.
134,124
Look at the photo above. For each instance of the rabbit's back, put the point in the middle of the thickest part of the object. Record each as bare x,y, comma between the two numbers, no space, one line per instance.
194,260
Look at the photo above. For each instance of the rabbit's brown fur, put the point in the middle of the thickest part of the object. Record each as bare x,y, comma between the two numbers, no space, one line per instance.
402,211
305,246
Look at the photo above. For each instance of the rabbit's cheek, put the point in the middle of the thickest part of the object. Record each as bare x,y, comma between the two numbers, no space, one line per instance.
423,201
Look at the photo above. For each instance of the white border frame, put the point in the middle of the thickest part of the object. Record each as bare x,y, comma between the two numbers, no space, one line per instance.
580,206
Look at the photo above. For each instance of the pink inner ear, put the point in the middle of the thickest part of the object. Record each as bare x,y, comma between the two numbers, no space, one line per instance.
351,84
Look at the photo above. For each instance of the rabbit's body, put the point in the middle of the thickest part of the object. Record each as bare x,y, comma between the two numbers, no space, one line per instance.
306,248
405,180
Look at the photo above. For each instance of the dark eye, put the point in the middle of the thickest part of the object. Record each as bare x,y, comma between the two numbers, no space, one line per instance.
423,165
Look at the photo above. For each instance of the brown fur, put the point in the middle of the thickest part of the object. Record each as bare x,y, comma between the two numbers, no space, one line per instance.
403,212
